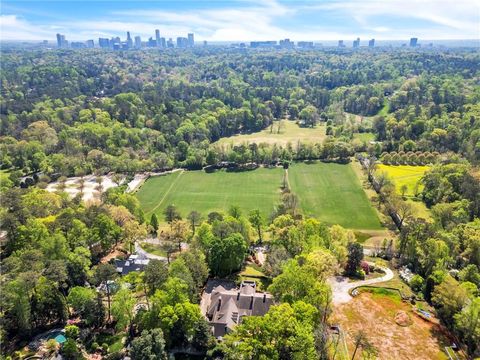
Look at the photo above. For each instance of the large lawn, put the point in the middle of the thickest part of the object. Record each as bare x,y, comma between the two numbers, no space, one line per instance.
332,193
329,192
204,192
289,132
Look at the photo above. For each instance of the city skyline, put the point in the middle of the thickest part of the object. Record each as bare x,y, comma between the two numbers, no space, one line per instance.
116,43
242,20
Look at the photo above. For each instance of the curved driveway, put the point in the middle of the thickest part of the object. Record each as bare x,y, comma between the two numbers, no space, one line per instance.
341,286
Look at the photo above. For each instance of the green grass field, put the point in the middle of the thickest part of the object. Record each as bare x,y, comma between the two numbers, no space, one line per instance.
197,190
289,132
330,192
367,137
333,193
404,175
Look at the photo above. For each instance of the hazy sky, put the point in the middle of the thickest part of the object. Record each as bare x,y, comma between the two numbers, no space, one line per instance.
242,20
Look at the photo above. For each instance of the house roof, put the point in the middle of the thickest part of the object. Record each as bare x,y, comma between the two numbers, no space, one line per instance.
227,307
133,263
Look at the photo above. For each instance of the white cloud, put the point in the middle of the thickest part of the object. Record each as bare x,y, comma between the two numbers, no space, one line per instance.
439,18
267,20
14,28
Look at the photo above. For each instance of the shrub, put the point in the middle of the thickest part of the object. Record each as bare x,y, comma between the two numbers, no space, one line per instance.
70,350
72,332
360,274
416,283
365,267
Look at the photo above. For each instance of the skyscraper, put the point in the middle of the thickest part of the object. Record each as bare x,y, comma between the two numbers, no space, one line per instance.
103,43
129,41
61,42
138,42
371,43
413,42
90,44
151,42
356,43
157,38
340,44
182,42
191,41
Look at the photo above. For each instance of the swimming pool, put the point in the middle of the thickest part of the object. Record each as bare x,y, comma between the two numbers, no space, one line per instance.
59,337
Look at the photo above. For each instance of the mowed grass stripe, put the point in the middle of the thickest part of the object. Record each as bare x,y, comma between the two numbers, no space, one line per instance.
333,194
197,190
329,192
168,191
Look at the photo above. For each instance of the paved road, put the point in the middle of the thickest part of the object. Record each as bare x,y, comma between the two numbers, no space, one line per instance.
140,251
341,286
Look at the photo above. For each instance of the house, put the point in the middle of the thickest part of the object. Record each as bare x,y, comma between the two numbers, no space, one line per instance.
133,263
227,307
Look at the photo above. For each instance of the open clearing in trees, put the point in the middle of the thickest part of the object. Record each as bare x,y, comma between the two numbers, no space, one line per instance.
329,192
404,175
375,313
290,132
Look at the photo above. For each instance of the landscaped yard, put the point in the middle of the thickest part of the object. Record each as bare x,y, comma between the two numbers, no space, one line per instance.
253,273
330,192
374,312
290,131
153,249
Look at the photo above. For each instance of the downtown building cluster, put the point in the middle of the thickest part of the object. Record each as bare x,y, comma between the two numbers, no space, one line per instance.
116,43
288,44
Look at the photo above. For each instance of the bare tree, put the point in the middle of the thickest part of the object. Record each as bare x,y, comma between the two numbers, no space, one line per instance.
361,341
281,126
403,209
62,183
117,178
371,167
99,181
81,184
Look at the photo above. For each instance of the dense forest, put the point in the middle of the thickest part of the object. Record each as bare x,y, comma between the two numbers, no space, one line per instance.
70,113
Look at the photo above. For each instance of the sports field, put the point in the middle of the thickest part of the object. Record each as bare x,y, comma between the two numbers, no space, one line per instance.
405,175
330,192
206,192
289,132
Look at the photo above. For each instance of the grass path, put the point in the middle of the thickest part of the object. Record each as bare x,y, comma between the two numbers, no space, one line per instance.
167,192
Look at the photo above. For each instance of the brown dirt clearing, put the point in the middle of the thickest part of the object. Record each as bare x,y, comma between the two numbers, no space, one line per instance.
375,314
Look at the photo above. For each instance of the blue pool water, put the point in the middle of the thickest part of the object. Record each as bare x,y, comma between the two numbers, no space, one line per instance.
60,338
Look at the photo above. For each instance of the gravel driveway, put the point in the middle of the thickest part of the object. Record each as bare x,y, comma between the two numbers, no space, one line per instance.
341,286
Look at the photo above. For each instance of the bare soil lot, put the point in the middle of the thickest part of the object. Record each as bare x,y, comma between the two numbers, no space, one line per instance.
375,314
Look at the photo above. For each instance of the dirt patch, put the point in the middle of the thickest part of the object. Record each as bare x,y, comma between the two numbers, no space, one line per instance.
376,315
403,319
115,253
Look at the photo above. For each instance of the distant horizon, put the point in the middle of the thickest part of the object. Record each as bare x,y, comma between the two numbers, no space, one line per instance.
347,40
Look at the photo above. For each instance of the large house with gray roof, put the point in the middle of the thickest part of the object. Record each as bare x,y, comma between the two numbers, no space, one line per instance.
227,307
